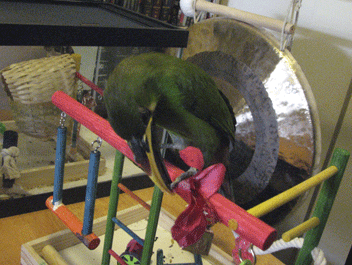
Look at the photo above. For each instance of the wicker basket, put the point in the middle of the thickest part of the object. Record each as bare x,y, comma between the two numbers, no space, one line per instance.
31,84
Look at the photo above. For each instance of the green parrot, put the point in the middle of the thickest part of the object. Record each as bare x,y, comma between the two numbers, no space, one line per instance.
178,95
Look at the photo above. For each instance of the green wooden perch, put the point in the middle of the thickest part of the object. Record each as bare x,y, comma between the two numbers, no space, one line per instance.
323,207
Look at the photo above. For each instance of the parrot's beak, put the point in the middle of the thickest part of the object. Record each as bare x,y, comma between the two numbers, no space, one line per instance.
139,149
160,175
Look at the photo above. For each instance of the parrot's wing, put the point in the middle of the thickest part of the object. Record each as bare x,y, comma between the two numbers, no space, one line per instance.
202,98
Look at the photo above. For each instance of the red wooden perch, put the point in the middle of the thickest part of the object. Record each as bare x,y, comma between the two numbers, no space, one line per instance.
249,227
89,83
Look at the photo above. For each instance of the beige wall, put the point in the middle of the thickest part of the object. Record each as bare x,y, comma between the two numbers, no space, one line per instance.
323,48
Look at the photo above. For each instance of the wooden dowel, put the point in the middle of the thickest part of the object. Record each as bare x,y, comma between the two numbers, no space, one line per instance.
92,121
117,257
90,83
152,225
323,207
91,241
134,196
128,231
300,229
248,226
113,202
59,164
91,192
294,192
51,256
254,19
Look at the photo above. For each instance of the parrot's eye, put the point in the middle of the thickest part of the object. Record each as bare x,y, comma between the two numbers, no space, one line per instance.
145,114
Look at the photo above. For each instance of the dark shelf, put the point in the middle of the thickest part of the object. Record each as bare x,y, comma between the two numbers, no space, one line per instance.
83,23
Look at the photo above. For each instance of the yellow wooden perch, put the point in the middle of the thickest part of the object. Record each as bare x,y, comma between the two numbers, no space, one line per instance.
300,229
294,192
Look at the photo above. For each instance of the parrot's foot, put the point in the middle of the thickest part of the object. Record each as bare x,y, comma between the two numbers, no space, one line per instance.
189,173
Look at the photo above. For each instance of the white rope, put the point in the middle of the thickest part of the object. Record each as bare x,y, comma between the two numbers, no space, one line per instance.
317,253
9,167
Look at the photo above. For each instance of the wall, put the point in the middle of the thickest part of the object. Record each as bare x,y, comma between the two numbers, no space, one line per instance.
323,48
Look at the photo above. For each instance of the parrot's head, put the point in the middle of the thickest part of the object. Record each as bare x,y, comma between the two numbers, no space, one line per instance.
130,121
129,113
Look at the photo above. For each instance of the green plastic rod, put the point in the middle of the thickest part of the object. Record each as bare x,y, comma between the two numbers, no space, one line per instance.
114,197
323,207
152,226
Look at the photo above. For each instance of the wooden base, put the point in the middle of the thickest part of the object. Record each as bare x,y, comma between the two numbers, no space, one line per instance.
31,251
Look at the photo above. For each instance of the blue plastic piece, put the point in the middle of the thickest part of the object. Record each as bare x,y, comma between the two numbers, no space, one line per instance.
91,191
128,231
59,164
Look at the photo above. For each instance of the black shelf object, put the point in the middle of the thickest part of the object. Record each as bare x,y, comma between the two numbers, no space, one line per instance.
82,23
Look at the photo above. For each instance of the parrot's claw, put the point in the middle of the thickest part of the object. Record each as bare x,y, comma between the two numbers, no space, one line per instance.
189,173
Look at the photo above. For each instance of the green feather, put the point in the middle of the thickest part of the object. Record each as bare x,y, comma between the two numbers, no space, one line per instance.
181,97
